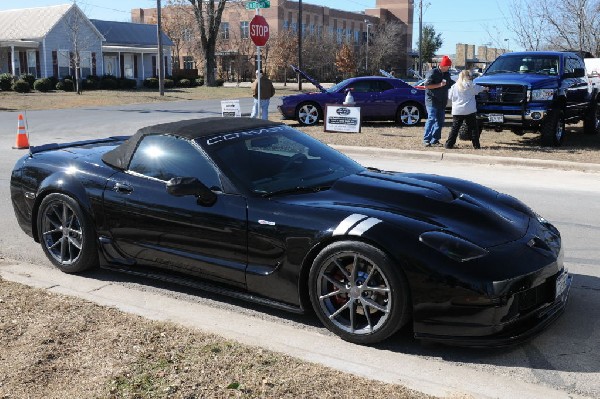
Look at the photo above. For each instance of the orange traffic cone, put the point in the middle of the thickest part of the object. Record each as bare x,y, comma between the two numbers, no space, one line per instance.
22,140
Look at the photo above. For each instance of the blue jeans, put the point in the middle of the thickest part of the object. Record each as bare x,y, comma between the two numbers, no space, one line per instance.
436,116
264,109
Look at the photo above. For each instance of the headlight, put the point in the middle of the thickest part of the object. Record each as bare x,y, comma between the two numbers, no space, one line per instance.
542,95
453,247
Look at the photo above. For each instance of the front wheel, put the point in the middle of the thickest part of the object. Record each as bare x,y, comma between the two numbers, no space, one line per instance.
358,293
308,114
66,234
409,114
553,129
591,123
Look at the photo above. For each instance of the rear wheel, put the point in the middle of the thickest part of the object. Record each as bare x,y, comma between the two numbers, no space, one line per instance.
358,293
591,123
66,234
409,114
553,129
308,114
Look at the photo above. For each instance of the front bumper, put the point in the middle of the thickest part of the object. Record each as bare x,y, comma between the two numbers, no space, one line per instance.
514,332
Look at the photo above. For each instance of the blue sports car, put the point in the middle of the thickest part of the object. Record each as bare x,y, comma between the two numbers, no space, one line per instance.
379,98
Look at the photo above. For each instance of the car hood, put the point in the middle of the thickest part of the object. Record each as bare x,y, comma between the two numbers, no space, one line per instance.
309,78
464,208
534,81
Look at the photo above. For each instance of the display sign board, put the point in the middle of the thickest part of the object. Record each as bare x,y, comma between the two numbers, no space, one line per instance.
340,118
231,108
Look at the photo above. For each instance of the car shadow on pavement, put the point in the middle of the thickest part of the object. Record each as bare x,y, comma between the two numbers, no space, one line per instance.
569,344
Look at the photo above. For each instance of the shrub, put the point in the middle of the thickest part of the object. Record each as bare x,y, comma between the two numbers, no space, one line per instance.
199,81
184,83
151,83
169,83
6,81
127,84
29,78
21,86
108,82
219,82
69,85
44,85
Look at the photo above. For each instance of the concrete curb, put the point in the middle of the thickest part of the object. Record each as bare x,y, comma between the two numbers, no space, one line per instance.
430,376
468,158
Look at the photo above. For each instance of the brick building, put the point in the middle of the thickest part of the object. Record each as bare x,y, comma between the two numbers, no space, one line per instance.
467,58
235,51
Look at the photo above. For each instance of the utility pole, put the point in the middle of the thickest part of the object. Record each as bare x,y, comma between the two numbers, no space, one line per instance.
299,43
161,65
421,37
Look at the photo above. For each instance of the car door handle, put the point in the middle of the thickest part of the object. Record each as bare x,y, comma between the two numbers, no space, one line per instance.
123,188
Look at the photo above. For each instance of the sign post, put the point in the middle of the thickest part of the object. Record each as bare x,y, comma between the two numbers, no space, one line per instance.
259,33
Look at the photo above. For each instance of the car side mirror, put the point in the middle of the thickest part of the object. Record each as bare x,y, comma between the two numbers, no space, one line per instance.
183,186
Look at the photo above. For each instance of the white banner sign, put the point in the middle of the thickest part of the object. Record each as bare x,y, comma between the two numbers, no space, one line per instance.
231,108
339,118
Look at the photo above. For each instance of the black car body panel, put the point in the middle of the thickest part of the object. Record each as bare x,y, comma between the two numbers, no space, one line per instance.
481,267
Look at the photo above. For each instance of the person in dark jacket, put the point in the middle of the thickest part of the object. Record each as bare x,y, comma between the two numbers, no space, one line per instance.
266,92
437,82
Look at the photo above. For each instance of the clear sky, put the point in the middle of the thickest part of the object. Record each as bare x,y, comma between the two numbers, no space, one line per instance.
459,21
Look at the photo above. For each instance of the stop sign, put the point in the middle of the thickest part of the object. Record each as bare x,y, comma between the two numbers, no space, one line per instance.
259,30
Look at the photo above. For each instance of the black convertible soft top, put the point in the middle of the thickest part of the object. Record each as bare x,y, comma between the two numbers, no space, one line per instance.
190,129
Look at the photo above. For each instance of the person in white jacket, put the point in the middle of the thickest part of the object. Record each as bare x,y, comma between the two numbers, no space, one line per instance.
464,108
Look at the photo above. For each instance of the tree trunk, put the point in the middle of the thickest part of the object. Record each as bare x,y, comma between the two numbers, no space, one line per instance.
210,65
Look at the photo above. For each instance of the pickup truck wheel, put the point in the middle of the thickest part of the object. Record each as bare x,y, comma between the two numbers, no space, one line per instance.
553,129
591,123
464,133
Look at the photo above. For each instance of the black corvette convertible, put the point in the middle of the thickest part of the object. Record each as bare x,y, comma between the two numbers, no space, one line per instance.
261,211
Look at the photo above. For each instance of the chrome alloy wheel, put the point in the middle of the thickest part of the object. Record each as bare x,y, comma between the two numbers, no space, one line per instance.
410,115
62,234
354,293
308,114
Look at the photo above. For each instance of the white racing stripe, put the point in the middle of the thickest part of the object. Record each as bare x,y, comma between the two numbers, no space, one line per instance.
355,224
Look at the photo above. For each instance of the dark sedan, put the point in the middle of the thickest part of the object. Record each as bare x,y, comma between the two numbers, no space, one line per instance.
378,97
263,212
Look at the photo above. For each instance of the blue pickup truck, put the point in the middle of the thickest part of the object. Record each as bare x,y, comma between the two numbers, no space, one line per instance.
538,91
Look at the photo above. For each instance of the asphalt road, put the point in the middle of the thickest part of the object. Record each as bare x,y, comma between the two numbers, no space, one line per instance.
562,362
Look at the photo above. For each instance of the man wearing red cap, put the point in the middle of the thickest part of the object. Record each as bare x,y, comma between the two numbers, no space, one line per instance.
437,82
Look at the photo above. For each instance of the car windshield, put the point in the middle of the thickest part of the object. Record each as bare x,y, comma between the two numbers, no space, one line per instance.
540,64
337,87
276,160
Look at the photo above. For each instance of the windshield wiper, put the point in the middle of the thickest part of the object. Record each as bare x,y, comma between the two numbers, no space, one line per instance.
499,71
297,190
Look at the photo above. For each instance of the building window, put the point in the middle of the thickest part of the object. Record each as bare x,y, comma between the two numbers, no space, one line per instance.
225,30
188,62
245,29
85,63
64,63
31,62
295,26
128,66
356,36
286,25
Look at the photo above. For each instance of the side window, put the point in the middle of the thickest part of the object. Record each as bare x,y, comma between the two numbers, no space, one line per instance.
572,63
165,157
382,85
362,86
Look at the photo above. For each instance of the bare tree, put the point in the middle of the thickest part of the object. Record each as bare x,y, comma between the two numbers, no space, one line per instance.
208,20
387,47
178,23
82,38
284,49
575,24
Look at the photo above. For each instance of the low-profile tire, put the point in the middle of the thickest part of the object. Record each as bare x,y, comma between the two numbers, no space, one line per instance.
67,234
309,114
409,114
358,293
464,133
553,129
591,123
